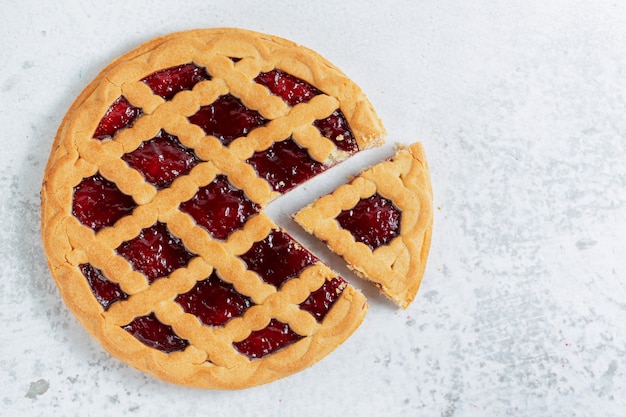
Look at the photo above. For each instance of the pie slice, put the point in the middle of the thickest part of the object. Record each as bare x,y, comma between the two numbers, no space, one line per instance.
153,206
380,223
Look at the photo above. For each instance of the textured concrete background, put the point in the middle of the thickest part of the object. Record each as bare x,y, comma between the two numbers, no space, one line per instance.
521,106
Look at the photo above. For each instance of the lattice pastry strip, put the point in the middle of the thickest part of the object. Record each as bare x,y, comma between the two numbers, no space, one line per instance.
153,200
380,223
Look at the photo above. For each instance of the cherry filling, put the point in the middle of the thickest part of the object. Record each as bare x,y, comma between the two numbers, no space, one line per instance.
335,127
162,159
105,291
227,119
374,221
120,115
214,301
220,208
98,202
275,336
155,252
291,89
277,258
285,165
151,332
319,302
166,83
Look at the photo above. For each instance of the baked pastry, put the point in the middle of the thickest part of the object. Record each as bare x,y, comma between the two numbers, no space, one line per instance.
153,204
380,223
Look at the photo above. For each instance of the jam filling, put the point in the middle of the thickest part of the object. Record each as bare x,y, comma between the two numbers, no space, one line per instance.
374,221
151,332
260,343
155,252
166,83
291,89
120,115
227,119
335,127
105,291
285,165
214,301
320,301
98,203
278,258
220,208
162,159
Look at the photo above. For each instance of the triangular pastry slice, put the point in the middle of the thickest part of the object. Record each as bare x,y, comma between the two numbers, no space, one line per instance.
380,223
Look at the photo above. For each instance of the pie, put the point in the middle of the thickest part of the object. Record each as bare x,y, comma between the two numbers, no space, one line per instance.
380,223
153,204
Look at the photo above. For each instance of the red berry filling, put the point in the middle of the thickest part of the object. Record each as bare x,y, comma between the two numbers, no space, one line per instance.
162,159
291,89
227,119
155,252
98,202
335,127
319,302
275,336
374,221
214,301
277,258
285,165
105,291
220,208
166,83
151,332
120,115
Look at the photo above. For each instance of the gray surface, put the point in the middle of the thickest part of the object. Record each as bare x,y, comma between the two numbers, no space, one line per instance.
521,109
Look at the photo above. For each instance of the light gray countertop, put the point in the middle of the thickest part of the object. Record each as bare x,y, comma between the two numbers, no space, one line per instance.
521,107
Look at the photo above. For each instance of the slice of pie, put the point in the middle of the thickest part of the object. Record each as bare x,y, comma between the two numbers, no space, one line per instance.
380,223
153,206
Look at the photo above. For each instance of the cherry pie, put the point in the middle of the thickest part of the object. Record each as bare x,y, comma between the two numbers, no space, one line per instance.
153,206
380,223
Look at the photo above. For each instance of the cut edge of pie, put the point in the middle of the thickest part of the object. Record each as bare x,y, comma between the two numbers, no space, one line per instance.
77,154
396,266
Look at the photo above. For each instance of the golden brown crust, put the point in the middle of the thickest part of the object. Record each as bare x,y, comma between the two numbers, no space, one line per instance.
397,268
210,361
